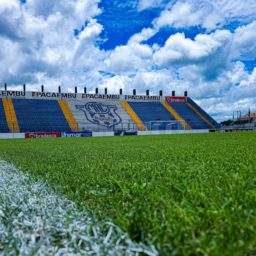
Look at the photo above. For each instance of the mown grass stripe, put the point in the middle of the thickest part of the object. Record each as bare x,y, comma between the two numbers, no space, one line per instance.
186,194
35,220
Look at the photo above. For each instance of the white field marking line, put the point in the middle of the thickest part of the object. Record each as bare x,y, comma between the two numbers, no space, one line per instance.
36,221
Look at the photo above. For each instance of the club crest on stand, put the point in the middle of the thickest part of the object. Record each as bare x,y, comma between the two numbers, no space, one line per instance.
100,114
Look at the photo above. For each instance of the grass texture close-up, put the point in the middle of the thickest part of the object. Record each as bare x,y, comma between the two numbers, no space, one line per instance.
185,194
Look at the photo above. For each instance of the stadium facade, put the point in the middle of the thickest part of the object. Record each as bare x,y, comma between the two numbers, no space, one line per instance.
24,112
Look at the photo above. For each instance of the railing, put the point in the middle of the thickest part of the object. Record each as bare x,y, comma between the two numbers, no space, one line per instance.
239,127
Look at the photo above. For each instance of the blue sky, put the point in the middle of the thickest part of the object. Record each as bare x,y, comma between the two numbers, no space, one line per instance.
122,19
205,47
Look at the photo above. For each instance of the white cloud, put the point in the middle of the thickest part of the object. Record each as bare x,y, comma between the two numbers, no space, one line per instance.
208,14
115,83
146,4
154,81
185,14
39,42
78,10
244,46
129,58
38,46
144,35
208,52
10,7
234,89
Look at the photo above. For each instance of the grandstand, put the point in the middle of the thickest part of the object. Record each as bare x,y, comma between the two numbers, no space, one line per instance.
22,112
40,116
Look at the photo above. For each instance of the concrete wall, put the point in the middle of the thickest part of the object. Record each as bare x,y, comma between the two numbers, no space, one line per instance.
6,136
103,134
172,132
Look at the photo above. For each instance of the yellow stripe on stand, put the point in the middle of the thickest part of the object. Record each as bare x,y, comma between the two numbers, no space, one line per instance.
10,115
16,127
7,114
69,116
133,116
176,115
202,116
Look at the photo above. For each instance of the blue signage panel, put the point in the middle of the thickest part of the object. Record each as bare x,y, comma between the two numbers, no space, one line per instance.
76,134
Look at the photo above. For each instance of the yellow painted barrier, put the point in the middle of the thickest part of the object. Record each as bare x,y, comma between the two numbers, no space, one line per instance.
69,116
202,116
10,115
133,116
176,115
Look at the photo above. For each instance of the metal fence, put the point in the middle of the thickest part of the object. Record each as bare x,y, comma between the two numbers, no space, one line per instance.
240,127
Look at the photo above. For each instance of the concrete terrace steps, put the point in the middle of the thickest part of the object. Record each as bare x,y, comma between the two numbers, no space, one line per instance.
10,116
176,116
133,115
69,116
3,122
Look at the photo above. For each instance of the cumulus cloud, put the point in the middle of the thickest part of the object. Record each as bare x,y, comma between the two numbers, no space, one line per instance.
78,10
145,4
154,81
186,14
208,52
207,14
180,49
115,83
144,35
39,46
39,38
235,90
129,58
244,46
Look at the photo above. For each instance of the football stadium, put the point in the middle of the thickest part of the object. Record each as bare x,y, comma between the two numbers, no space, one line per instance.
182,190
46,114
128,127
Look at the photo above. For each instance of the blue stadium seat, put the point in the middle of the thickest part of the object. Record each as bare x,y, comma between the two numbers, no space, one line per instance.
40,116
194,120
153,111
3,123
206,115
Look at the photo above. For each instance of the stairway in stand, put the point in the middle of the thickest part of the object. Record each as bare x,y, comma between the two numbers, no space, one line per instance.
10,116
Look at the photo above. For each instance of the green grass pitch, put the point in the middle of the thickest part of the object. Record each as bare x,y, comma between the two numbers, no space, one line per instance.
186,194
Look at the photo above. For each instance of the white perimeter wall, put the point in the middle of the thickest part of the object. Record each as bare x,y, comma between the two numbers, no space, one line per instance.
171,132
103,134
5,136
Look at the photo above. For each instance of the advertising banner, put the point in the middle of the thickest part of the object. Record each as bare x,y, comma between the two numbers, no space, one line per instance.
76,134
175,99
142,98
12,94
101,96
37,135
53,95
86,96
